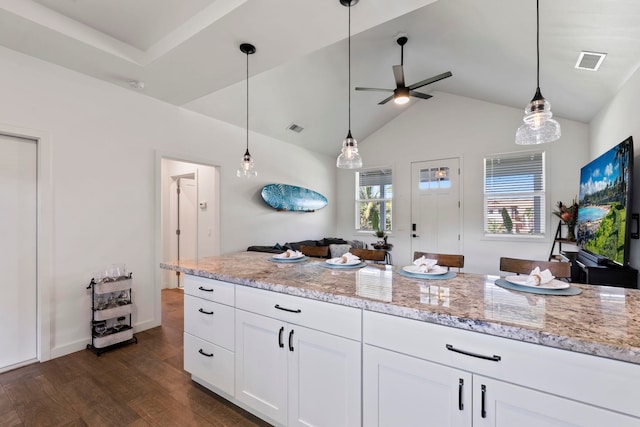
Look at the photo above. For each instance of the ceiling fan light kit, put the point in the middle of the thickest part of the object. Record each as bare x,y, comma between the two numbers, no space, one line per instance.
246,169
402,93
538,127
349,157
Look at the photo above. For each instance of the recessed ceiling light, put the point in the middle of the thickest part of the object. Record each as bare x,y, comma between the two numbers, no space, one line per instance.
590,60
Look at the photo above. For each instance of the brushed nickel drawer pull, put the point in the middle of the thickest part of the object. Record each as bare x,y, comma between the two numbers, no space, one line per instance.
494,358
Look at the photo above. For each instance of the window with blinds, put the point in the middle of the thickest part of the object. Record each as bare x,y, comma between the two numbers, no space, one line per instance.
514,194
374,195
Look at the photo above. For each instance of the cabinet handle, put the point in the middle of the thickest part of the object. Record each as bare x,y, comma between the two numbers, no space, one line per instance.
205,354
280,343
288,309
493,358
483,408
460,404
205,289
205,312
291,340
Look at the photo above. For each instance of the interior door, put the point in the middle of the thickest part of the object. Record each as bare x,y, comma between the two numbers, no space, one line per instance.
18,216
435,206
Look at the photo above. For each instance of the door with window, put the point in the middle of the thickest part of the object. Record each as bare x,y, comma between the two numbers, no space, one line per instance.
435,206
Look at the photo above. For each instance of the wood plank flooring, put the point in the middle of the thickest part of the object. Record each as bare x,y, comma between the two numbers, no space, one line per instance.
138,385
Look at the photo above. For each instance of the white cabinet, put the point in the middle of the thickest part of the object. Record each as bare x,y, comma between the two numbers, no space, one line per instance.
298,375
209,333
401,390
499,404
412,372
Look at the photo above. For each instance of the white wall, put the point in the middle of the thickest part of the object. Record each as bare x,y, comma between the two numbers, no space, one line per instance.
613,124
453,126
104,142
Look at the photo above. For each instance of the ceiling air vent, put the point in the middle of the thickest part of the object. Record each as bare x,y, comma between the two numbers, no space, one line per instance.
590,60
295,128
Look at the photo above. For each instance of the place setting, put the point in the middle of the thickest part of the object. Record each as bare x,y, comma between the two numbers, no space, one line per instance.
289,256
538,282
426,268
346,261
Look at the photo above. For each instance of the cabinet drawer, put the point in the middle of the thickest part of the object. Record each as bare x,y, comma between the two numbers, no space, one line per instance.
332,318
210,363
210,289
209,321
590,379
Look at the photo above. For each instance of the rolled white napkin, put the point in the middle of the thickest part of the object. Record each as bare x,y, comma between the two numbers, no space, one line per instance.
291,254
347,258
537,277
425,264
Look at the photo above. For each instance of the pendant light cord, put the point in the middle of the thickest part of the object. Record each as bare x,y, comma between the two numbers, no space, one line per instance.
349,83
247,102
538,42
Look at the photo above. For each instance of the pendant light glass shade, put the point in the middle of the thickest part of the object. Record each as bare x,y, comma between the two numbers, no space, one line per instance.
349,157
538,127
246,167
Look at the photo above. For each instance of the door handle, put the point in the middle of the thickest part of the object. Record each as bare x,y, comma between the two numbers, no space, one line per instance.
483,409
280,343
414,235
460,404
291,340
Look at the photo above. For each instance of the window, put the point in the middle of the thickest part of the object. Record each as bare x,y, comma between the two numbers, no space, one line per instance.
514,194
374,194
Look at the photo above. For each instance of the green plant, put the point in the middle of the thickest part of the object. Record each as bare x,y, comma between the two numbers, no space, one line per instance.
506,220
375,222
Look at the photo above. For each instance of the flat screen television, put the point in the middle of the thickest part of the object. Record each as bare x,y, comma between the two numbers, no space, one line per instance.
604,206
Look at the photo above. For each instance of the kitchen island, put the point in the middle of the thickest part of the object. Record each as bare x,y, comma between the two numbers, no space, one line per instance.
487,348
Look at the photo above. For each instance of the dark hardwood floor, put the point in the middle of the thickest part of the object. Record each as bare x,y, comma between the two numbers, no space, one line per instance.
137,385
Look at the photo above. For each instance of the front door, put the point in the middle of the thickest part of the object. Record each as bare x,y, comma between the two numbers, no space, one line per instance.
435,206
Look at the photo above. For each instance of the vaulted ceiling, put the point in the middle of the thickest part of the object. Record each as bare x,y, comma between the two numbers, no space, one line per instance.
187,53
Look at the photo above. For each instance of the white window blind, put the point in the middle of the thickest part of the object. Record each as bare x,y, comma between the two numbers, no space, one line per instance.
514,194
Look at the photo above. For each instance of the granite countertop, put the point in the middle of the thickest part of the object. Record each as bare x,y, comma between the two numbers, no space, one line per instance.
601,321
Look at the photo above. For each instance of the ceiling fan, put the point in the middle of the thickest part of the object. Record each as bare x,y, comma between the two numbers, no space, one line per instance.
402,93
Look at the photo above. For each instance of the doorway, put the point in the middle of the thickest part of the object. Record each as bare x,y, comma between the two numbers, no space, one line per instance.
18,251
435,206
190,214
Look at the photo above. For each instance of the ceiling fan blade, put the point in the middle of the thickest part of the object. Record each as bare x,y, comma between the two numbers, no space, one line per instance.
374,89
384,101
419,94
430,80
399,75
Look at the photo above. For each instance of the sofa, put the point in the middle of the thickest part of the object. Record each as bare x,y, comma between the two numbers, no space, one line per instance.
337,247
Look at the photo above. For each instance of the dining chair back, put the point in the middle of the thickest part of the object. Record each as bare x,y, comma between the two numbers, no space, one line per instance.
315,251
378,255
444,260
560,269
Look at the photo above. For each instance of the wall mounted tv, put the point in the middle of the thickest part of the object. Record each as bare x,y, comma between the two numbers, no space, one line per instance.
604,206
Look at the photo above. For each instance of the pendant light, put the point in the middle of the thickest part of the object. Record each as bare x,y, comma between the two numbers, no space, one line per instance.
246,167
349,157
538,126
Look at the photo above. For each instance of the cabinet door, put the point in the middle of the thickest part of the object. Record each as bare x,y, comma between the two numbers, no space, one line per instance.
401,390
324,379
506,405
261,364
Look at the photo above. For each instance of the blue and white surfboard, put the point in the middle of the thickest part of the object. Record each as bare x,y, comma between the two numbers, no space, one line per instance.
284,197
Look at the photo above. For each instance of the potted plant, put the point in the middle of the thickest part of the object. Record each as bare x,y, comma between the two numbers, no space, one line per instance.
379,232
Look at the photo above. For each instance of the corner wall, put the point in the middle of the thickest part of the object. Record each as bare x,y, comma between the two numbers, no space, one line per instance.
613,124
454,126
104,142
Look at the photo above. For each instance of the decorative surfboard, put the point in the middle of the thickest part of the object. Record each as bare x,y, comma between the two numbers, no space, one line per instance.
284,197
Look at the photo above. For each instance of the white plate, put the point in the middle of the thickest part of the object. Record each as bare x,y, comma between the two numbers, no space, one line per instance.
415,269
338,261
522,281
282,257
